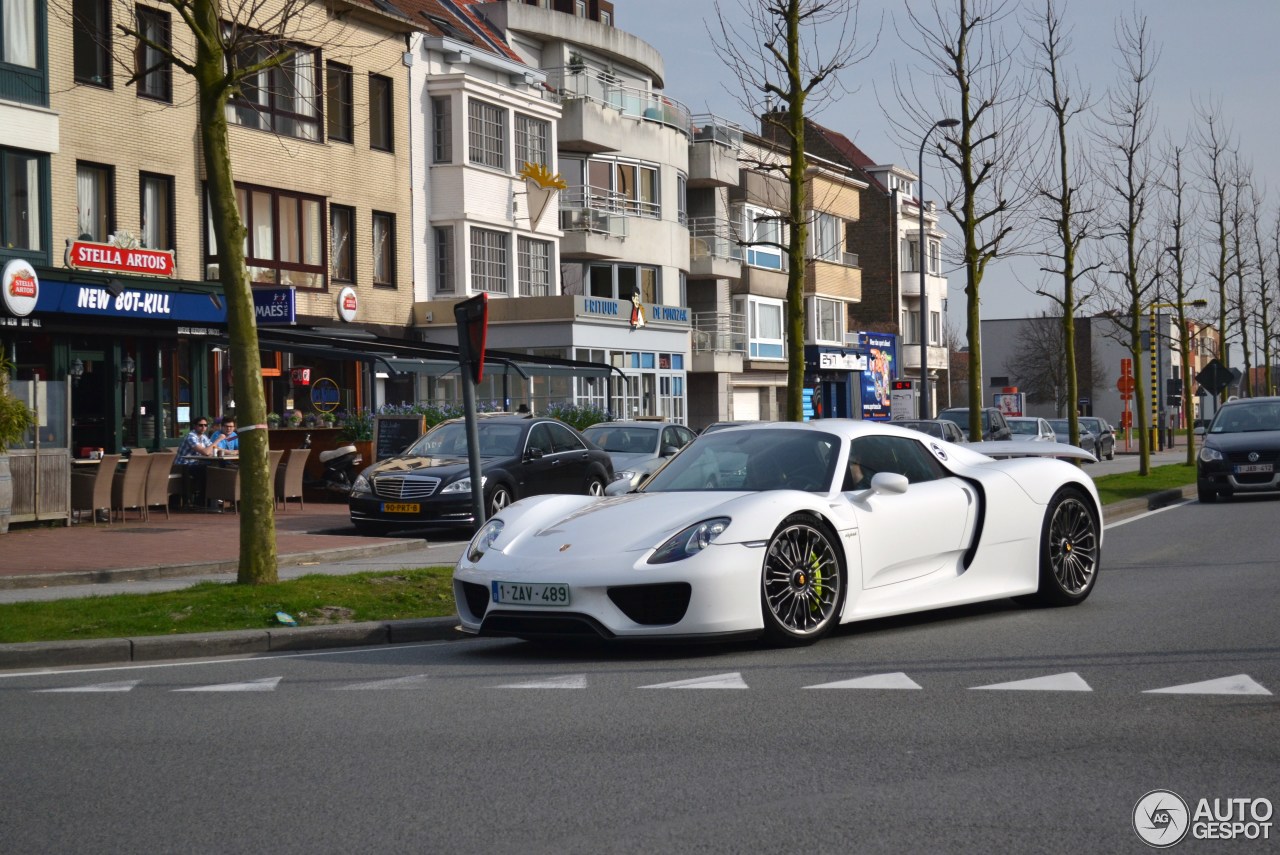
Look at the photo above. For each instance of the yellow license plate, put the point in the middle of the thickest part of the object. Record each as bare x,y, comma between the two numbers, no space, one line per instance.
401,507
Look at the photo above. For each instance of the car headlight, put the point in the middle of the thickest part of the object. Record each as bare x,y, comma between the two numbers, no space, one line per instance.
463,485
361,485
1209,455
484,538
689,542
624,475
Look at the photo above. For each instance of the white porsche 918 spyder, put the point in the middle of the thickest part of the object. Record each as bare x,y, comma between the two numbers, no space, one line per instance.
784,530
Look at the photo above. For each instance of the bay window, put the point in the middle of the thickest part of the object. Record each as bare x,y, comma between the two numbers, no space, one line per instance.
486,134
762,228
533,267
489,250
826,321
532,141
764,326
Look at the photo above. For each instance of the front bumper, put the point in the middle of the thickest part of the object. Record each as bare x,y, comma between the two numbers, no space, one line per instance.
1220,476
448,510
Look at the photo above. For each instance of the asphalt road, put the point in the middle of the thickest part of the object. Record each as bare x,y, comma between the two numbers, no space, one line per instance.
502,746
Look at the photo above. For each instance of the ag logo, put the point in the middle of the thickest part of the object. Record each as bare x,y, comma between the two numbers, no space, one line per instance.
1161,818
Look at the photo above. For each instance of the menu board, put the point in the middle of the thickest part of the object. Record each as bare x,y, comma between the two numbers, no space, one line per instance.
393,434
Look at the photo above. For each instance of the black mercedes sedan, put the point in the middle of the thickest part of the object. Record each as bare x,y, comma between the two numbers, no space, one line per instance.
430,483
1241,450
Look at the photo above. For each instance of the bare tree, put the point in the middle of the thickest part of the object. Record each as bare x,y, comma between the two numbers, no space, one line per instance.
1125,133
1068,222
1036,366
1241,299
968,72
1181,210
787,53
1217,150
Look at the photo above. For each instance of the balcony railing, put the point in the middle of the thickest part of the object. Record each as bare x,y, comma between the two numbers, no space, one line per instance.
719,332
708,127
609,202
712,237
592,84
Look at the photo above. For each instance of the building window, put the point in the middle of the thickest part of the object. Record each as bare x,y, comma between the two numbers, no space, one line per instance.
342,256
95,202
157,211
155,72
532,136
488,261
620,281
339,96
580,8
444,260
825,238
21,190
442,130
764,326
384,249
935,328
826,321
606,18
91,41
18,39
935,258
487,134
533,267
284,244
284,99
380,133
762,228
682,199
911,332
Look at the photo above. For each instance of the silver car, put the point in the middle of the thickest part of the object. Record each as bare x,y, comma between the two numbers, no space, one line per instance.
1031,429
638,448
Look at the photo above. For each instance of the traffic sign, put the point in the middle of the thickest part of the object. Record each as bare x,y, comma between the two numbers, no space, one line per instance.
1214,376
1125,385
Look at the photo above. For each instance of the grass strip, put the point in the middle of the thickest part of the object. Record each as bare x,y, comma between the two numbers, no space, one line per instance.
1131,485
218,606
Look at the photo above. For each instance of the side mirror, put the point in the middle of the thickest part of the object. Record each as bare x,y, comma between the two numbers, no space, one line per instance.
885,483
668,450
533,454
1199,431
618,488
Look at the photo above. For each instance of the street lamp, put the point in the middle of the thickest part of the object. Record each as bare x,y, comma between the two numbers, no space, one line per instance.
925,411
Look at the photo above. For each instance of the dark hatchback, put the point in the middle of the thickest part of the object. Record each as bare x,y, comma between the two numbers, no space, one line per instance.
430,483
1241,450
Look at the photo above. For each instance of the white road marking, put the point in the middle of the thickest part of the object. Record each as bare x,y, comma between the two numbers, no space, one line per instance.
416,681
1068,682
266,684
568,681
1240,684
122,686
718,681
897,680
1128,520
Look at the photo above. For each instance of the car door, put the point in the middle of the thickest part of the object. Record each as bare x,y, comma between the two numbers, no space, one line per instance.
570,460
922,531
540,474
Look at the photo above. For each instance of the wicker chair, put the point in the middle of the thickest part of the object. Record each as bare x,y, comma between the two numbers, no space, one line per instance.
289,478
223,484
91,491
161,485
129,488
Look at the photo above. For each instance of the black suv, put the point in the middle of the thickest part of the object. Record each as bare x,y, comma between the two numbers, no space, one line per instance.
993,424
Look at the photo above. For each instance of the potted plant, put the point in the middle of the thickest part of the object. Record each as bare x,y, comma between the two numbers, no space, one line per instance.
273,420
15,420
357,430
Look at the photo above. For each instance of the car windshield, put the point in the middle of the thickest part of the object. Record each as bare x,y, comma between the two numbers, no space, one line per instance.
1024,426
924,427
752,460
1246,418
623,440
961,417
450,440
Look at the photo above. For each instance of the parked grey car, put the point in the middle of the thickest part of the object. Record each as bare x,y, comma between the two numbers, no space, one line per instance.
1104,435
1088,441
1031,429
994,425
638,448
936,428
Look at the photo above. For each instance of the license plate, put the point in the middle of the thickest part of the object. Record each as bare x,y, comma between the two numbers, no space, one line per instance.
1247,468
401,507
531,593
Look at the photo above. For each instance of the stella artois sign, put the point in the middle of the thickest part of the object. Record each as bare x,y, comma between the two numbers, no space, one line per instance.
109,258
19,288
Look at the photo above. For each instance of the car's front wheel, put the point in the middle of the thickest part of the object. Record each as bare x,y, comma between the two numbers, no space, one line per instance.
802,582
498,499
595,486
1070,550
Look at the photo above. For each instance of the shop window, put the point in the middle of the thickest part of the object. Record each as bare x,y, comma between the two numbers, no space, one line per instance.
342,264
384,249
284,98
380,129
95,201
339,96
23,180
155,74
157,211
284,243
91,41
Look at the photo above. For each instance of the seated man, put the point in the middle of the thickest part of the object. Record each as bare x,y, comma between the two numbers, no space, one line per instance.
226,437
196,449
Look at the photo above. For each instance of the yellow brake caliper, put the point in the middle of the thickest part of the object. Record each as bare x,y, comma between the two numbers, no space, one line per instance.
815,569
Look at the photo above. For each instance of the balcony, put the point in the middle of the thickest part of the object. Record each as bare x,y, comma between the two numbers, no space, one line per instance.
713,158
719,342
593,222
596,105
909,282
910,355
714,253
834,279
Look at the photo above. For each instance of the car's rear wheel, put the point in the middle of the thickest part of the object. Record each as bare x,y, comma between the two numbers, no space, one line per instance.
595,486
499,499
802,582
1070,550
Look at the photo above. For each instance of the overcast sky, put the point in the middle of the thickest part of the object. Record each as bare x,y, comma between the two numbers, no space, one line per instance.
1222,51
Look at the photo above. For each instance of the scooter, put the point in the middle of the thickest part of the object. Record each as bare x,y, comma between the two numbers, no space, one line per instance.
341,466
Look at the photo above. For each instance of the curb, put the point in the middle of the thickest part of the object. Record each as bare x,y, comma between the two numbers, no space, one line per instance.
203,568
117,651
1117,511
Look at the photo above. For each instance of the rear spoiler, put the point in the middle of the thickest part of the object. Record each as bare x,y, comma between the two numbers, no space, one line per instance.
1009,448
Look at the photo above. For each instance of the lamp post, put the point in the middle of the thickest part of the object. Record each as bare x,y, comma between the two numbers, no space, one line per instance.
925,411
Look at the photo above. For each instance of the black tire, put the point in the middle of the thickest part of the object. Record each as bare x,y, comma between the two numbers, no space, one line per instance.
802,582
1070,550
499,497
595,486
1206,495
1111,454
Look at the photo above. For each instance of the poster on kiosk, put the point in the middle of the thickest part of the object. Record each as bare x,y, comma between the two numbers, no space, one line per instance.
877,379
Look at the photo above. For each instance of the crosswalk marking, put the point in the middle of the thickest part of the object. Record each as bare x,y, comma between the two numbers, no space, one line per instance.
1068,682
121,686
1240,684
718,681
896,680
416,681
266,684
568,681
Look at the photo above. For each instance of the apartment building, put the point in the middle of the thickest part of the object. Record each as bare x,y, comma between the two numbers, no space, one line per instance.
117,226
